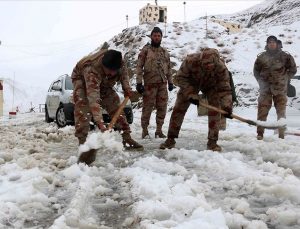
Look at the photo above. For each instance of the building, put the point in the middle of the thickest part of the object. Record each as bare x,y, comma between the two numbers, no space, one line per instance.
153,13
230,26
1,97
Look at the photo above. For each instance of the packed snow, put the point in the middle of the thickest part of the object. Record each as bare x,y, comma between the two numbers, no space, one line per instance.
251,184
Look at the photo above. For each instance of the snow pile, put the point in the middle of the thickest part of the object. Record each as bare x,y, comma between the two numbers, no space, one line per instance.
102,141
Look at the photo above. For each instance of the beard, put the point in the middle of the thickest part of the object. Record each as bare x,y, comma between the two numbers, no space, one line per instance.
155,44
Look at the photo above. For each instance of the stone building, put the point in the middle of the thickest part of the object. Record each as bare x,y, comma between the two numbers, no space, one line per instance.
153,13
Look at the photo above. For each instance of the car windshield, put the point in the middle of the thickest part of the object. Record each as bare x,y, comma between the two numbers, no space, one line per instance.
69,84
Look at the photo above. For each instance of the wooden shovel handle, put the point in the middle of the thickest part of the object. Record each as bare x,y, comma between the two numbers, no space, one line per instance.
118,113
250,122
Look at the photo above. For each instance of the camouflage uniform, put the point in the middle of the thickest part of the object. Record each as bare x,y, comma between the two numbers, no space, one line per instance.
155,68
272,70
215,84
93,89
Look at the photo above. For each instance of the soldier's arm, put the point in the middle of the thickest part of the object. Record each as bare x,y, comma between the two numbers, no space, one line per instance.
183,78
169,74
140,66
256,69
224,87
291,67
125,79
92,81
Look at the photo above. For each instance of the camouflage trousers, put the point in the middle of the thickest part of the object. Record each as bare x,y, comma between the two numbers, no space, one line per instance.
82,114
154,96
265,103
181,106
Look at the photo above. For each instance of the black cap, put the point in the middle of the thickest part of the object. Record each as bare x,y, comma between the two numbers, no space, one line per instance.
271,38
156,30
112,59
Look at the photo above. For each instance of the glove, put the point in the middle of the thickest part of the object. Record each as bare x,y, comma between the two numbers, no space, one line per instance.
128,93
229,112
102,127
140,88
194,99
171,87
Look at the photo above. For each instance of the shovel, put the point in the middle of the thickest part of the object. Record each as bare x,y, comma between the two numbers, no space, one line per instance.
88,156
248,121
118,113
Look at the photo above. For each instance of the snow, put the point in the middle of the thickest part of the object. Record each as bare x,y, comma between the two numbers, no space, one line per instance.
251,184
254,184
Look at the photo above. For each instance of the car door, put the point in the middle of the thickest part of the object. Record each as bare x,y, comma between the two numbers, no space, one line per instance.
57,90
48,100
54,99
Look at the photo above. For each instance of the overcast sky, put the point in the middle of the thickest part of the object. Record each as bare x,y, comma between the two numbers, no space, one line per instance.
41,40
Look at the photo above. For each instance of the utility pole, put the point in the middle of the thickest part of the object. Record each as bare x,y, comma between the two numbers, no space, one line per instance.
127,20
13,92
206,25
184,11
165,26
1,97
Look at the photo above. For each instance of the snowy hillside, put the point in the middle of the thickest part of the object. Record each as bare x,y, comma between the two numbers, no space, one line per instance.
268,13
239,49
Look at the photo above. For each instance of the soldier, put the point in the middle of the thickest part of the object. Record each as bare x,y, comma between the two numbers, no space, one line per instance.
204,72
93,78
154,68
272,70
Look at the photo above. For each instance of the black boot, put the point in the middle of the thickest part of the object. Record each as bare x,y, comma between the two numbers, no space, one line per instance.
168,144
129,143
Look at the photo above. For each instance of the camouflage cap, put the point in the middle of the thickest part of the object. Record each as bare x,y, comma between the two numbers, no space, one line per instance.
209,55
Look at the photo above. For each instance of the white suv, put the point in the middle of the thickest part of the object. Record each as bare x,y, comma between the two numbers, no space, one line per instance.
59,104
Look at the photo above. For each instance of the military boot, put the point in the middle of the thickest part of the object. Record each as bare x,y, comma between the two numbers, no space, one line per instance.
87,157
260,136
159,133
145,133
129,143
168,144
212,145
281,133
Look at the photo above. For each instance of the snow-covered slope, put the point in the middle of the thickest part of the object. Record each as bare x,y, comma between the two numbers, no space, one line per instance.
239,50
268,13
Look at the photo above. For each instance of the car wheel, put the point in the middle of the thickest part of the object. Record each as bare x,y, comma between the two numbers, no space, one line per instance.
129,114
60,117
291,91
47,118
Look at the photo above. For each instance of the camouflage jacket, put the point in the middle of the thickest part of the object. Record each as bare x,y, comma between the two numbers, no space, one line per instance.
192,78
274,67
96,81
153,65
